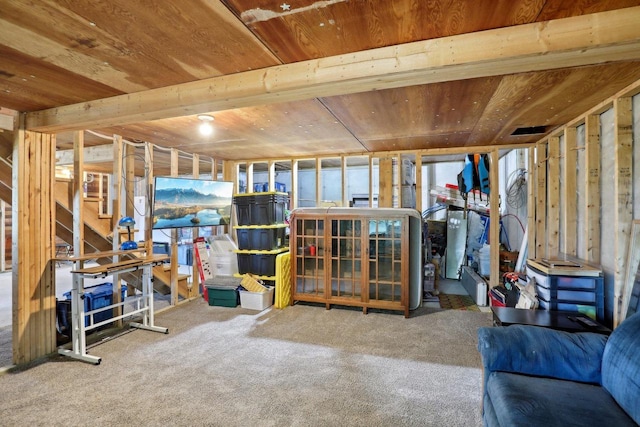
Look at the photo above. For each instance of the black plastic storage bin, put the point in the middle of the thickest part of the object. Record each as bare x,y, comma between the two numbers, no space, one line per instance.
262,238
260,263
268,208
244,207
244,263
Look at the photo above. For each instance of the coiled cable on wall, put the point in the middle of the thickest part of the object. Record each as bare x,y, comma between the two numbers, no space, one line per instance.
517,189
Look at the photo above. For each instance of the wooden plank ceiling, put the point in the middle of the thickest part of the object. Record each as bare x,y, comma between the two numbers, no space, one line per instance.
55,53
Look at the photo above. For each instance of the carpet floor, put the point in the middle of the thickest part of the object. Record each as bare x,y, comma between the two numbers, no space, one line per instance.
301,366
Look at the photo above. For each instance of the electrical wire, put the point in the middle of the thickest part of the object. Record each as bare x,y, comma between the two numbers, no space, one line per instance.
516,217
517,189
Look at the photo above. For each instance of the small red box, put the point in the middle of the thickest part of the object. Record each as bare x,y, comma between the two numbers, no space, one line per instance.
494,302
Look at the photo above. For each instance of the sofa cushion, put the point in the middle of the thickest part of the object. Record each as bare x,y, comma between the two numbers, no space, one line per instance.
542,352
520,400
621,366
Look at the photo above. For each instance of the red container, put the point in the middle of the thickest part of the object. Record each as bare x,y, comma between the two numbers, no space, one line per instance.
494,302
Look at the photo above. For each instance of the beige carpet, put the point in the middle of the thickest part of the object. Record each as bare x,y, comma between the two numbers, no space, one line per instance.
301,366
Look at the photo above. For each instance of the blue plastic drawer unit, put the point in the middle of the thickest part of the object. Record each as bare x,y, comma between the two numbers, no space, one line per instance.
583,294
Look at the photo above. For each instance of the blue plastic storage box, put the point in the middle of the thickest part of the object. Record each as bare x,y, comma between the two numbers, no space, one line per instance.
95,297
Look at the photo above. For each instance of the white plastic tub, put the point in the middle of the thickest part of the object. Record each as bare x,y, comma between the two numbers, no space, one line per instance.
256,300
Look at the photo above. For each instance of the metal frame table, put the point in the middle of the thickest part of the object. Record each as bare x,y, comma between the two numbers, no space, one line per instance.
144,302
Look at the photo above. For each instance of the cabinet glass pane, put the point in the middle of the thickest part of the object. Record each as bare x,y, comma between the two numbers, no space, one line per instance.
346,265
385,259
309,260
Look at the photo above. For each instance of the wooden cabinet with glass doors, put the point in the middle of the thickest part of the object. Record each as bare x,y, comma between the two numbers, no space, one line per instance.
351,257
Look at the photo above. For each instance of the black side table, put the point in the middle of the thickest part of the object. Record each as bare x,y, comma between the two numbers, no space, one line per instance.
568,321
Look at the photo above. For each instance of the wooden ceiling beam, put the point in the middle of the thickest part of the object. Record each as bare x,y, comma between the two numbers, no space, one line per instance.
569,42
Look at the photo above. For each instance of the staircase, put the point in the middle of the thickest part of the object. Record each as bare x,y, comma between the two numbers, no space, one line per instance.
97,232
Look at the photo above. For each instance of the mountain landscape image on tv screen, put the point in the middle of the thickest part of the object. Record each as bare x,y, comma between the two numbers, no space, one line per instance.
183,202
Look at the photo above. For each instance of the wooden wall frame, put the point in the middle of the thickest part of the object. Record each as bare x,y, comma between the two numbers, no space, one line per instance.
633,265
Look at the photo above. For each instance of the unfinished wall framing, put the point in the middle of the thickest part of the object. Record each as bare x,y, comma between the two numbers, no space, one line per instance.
588,213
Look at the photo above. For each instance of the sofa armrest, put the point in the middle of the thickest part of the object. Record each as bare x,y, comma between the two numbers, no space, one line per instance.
543,352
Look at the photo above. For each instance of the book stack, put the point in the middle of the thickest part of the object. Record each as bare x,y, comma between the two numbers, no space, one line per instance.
497,297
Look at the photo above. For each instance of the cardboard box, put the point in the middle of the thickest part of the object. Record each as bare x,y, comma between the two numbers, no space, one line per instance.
256,300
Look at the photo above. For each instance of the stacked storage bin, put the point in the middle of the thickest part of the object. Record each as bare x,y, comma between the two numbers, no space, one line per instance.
261,232
584,294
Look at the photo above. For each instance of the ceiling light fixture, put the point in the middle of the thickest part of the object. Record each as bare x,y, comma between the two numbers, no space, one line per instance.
205,127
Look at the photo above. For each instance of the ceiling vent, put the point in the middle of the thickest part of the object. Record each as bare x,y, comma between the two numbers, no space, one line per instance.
532,130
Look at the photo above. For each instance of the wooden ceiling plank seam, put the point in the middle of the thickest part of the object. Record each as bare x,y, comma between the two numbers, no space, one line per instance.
562,43
341,122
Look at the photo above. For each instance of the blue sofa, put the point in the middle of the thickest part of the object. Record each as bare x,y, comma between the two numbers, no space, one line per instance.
535,376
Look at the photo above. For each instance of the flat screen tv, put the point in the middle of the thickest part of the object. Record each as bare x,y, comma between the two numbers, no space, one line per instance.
186,202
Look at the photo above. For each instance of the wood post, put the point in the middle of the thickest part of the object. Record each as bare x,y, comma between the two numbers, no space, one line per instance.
494,219
33,231
569,193
193,290
592,190
553,197
531,204
623,187
540,236
174,239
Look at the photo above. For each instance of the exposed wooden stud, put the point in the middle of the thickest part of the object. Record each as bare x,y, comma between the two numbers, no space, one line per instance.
569,193
295,200
494,219
271,166
553,197
35,237
532,187
119,207
385,173
230,173
20,292
148,227
371,194
343,179
418,182
592,187
396,200
569,42
78,193
318,182
249,177
623,187
48,224
174,239
541,200
116,185
130,181
195,275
